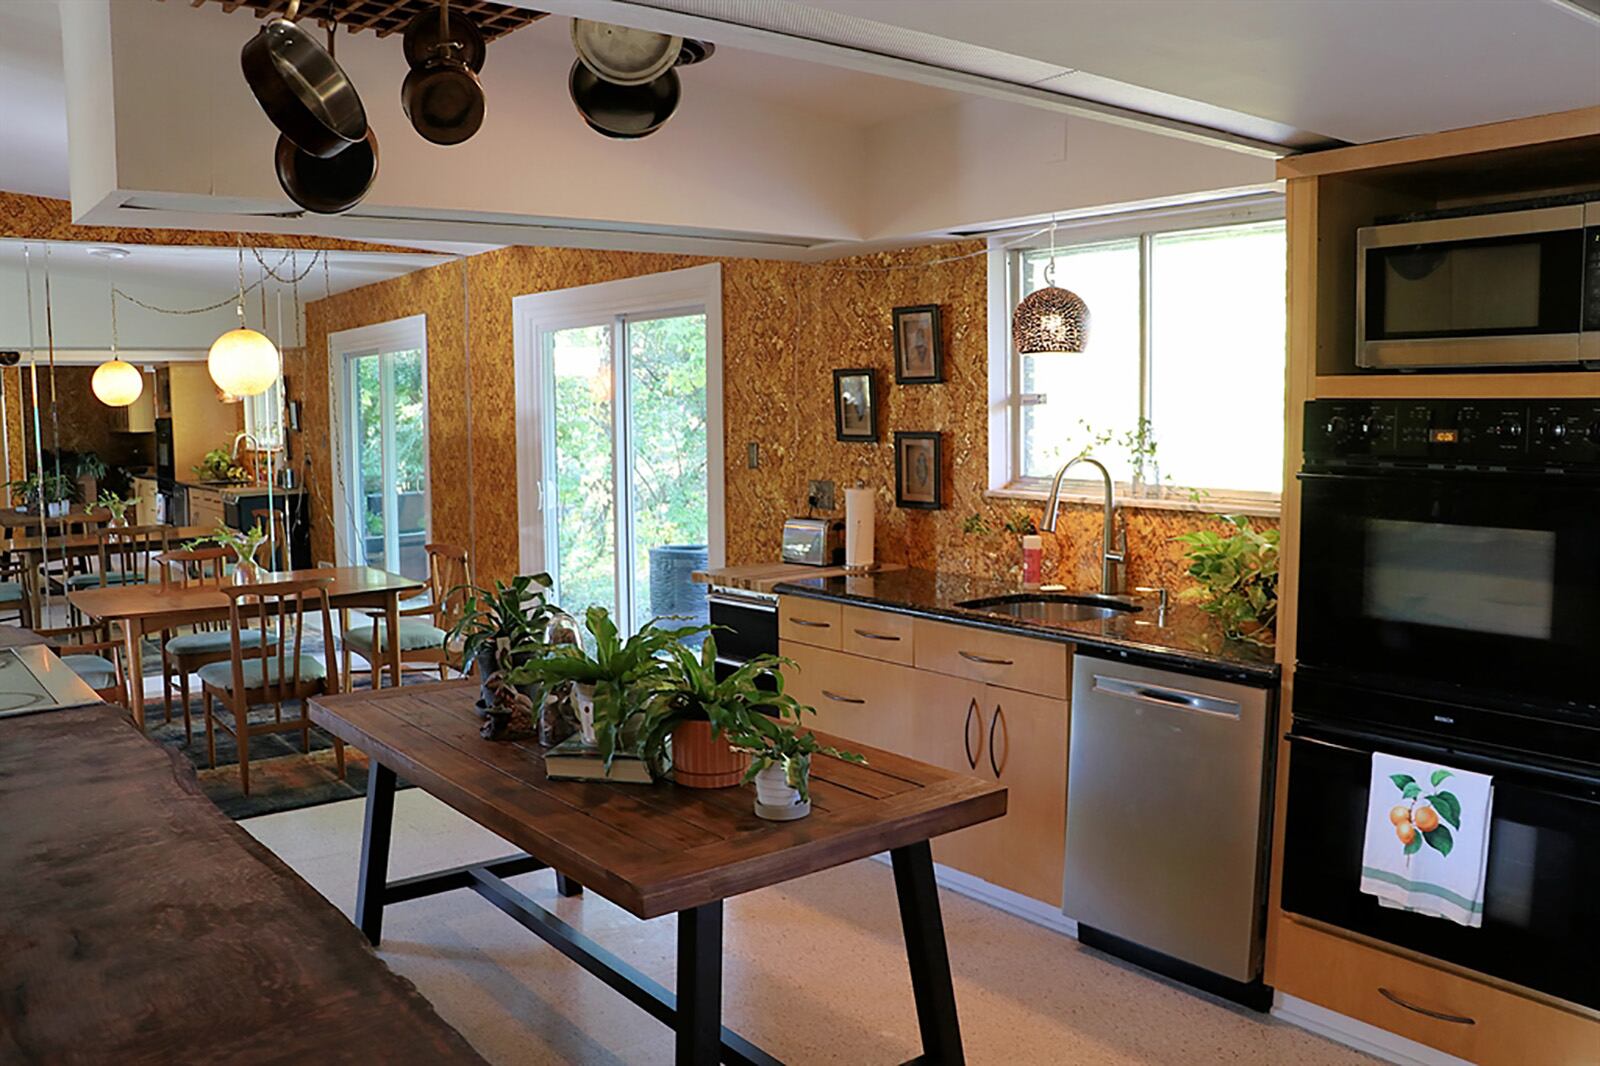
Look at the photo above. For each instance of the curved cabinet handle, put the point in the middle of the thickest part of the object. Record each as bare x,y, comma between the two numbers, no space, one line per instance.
1441,1016
973,657
870,635
835,697
966,733
992,723
810,624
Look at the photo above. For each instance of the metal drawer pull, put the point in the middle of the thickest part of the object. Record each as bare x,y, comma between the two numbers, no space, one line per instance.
1453,1019
966,734
835,697
867,633
1171,697
970,657
810,624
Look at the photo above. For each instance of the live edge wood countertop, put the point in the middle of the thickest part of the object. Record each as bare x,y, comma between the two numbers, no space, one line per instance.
140,925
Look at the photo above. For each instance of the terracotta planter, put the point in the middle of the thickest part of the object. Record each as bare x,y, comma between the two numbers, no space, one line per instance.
701,761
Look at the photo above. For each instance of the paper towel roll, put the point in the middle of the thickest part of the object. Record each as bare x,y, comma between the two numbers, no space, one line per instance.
858,527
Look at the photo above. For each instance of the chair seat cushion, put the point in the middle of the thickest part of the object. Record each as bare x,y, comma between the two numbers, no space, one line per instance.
112,577
220,675
214,641
415,635
10,591
97,672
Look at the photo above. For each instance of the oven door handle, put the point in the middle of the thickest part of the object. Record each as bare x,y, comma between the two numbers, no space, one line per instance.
1440,755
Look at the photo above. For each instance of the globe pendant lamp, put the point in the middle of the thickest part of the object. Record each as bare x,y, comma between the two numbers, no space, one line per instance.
1051,320
116,383
243,362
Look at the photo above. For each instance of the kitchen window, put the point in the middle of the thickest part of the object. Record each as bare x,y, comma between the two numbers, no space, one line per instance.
263,417
1186,341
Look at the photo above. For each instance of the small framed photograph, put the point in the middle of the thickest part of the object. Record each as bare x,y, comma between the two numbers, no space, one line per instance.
918,471
855,406
918,345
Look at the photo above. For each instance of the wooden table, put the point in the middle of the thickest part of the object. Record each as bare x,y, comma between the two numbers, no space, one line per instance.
32,549
655,850
141,925
142,609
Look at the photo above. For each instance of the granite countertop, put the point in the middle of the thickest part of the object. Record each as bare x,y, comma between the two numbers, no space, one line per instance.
238,488
1186,637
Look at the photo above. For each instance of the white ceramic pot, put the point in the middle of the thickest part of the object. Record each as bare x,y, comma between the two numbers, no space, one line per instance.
57,509
583,703
776,799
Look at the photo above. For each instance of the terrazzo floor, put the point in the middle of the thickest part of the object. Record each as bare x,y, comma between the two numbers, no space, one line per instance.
814,970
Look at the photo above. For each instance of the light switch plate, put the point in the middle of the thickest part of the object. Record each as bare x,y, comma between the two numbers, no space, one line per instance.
821,492
752,455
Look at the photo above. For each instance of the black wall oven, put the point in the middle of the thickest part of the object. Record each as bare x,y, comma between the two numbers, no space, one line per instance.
1450,611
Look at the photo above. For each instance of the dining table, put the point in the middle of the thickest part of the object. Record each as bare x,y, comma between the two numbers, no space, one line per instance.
30,550
150,608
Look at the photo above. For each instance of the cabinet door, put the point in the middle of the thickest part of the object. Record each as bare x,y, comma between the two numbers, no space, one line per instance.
949,728
1025,749
857,699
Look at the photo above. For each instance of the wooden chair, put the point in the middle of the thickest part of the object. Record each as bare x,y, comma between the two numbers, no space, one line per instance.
251,678
209,642
424,629
91,652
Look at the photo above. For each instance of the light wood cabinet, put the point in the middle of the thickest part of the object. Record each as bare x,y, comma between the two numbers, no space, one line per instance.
861,700
814,622
200,421
1467,1018
205,507
876,634
1004,659
144,497
140,415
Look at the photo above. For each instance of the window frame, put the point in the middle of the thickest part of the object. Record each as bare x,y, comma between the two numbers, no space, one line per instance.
1006,252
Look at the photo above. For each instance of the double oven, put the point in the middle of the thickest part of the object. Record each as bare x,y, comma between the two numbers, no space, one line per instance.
1449,610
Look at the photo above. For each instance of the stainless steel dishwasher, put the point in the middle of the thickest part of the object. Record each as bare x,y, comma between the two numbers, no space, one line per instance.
1168,803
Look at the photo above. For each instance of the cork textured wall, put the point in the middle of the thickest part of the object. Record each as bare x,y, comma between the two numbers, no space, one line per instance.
786,326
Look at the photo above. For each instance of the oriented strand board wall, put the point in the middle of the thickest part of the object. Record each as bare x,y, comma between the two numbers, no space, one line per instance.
786,326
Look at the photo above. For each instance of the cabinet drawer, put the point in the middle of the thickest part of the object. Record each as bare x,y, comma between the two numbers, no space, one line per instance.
1480,1023
876,634
1037,666
863,700
814,622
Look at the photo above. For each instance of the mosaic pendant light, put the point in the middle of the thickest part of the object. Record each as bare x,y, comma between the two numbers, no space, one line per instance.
1051,320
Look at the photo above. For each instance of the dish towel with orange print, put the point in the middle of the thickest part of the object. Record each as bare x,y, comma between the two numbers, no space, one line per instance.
1427,842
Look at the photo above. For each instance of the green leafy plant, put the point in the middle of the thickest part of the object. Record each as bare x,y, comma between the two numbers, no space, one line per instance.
625,673
244,543
91,465
1019,521
509,616
115,504
1418,817
218,465
775,742
47,488
1237,575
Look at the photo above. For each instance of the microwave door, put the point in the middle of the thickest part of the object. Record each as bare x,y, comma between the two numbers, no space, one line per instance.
1503,289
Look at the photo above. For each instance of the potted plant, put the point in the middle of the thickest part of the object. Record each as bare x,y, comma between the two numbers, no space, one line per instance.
26,492
245,544
780,757
218,465
90,469
58,491
492,622
1237,574
118,507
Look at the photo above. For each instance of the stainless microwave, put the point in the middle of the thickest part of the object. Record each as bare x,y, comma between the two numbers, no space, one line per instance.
1511,288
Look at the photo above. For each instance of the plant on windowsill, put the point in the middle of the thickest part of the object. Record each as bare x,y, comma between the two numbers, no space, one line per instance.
1237,575
494,622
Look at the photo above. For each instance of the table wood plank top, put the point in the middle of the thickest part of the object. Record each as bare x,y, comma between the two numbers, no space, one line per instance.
141,925
651,849
125,602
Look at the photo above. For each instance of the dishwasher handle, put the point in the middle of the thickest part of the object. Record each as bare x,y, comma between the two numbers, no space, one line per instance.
1166,697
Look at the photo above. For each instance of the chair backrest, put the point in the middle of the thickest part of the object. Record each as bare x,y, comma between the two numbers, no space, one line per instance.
278,609
132,549
182,567
449,571
274,551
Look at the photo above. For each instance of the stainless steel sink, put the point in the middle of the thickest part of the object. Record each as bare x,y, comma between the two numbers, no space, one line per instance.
1051,607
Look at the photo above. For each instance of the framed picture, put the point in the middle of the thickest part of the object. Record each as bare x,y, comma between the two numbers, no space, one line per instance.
918,471
918,345
855,406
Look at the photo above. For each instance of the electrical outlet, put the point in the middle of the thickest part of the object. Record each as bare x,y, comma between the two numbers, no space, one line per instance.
821,494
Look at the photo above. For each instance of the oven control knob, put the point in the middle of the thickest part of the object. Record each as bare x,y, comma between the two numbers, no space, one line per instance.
1558,432
1336,427
1511,429
1594,432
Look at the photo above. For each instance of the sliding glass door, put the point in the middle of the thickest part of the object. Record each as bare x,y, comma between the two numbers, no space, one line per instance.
384,409
625,461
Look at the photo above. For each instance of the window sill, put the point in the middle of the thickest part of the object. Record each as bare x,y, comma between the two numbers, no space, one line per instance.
1219,503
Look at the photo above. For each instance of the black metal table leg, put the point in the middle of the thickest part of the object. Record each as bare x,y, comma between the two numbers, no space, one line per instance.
699,1022
926,952
375,833
567,886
